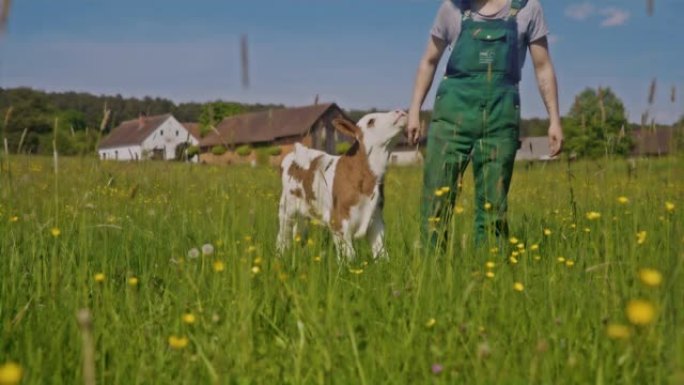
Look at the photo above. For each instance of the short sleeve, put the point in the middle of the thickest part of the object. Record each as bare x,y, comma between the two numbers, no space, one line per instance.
537,28
445,23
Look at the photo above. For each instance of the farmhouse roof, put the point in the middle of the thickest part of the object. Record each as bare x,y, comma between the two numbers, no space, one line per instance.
266,126
193,129
133,132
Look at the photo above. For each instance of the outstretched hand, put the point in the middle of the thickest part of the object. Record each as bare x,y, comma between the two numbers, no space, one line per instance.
413,130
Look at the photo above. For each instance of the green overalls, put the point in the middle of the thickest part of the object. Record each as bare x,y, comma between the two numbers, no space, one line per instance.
476,117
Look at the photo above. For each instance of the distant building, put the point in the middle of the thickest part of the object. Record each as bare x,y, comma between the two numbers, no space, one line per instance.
533,148
652,142
407,154
156,137
282,128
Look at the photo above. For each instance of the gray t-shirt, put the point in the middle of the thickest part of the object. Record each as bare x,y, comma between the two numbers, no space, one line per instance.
531,23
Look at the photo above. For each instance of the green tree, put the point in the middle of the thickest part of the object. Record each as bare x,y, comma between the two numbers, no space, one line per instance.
596,125
213,113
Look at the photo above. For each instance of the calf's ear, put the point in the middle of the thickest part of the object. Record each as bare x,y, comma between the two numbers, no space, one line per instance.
346,127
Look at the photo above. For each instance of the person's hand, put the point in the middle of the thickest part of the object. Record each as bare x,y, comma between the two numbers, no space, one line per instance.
555,139
413,127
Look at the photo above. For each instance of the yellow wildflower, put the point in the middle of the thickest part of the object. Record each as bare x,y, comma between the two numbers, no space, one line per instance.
446,189
569,263
650,277
513,260
459,210
317,258
537,257
430,323
547,232
439,193
356,271
514,241
99,277
669,206
593,215
640,312
520,246
55,232
10,373
434,220
219,266
494,250
178,342
641,237
256,270
561,259
490,265
623,200
618,332
189,318
490,274
132,281
14,218
534,247
488,206
518,286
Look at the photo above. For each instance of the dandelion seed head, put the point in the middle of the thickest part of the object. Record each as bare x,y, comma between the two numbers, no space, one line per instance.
193,253
208,250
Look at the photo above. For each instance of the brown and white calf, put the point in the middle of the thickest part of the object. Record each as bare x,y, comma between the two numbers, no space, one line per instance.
344,192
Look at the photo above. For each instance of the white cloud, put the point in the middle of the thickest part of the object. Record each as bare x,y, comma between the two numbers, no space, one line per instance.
579,12
614,17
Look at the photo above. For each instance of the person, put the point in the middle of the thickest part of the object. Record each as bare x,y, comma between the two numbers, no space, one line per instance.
476,115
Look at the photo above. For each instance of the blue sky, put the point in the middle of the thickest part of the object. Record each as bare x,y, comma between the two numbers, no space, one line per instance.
358,53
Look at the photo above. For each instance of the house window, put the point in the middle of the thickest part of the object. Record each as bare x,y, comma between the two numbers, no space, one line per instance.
104,155
162,132
176,132
116,154
395,159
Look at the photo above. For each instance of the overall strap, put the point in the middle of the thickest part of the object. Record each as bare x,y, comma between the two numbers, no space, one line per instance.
516,6
466,9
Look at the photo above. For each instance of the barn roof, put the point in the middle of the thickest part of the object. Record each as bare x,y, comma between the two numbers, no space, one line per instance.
133,132
266,126
194,129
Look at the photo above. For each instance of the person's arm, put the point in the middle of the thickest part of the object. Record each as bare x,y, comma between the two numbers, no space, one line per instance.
426,73
548,87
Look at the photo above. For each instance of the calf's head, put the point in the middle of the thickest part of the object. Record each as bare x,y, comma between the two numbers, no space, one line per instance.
375,131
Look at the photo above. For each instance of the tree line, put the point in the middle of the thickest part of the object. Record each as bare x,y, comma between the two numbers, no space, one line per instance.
596,124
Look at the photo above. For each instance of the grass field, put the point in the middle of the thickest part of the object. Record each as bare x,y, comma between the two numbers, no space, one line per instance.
572,305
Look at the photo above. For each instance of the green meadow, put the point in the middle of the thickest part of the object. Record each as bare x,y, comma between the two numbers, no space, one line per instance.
176,264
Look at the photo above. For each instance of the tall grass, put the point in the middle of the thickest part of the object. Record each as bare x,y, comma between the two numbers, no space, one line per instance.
120,248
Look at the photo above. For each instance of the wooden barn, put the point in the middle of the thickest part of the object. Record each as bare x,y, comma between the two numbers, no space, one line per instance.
271,134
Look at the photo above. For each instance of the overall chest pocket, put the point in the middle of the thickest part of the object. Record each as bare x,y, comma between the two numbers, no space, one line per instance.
488,51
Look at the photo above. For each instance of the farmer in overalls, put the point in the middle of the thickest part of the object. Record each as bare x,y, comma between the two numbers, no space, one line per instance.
477,109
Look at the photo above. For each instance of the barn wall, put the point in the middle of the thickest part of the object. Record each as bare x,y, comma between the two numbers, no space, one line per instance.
124,153
167,137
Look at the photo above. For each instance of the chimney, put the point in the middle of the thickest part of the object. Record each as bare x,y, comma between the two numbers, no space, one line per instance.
141,121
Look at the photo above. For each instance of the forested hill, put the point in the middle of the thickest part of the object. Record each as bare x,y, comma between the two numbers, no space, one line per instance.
80,114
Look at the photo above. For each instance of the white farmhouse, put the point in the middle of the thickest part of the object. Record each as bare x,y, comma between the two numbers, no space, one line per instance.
154,137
